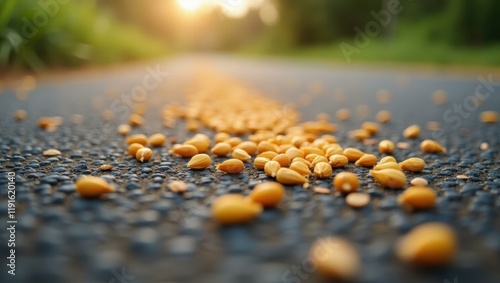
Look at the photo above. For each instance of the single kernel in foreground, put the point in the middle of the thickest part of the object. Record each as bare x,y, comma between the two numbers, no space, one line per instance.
431,244
346,182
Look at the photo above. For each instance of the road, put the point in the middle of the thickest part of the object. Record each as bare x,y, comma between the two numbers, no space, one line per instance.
141,235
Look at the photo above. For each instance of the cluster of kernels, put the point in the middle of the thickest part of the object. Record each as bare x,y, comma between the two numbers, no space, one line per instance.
257,114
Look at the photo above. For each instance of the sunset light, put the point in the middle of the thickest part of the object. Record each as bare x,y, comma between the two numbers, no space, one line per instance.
190,5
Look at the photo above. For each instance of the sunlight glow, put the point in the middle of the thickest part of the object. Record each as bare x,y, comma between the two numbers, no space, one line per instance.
190,5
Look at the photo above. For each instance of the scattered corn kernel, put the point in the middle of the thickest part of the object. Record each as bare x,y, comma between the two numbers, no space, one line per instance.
353,154
430,244
413,164
386,146
201,145
260,162
240,154
338,161
367,160
387,165
387,159
268,154
439,97
92,187
177,186
335,258
412,132
384,116
346,182
357,200
123,129
360,134
105,167
221,149
416,198
234,209
300,168
107,115
390,178
20,115
135,120
271,168
322,190
144,154
138,138
249,146
231,166
433,125
432,146
283,159
333,150
268,193
403,145
488,117
343,114
293,152
318,159
184,150
133,148
267,146
221,137
157,139
419,182
322,170
371,127
199,161
484,146
290,177
51,152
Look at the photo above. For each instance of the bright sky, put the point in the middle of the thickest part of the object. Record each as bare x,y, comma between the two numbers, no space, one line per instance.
234,8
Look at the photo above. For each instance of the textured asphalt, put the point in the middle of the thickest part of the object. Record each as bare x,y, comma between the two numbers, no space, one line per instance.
144,233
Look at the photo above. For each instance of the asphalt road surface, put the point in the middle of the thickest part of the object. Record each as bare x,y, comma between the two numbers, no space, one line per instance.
143,233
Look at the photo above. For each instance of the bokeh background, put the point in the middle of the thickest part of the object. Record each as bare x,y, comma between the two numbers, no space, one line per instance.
51,33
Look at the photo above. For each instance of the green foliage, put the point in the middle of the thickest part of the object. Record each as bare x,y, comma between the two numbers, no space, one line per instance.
68,34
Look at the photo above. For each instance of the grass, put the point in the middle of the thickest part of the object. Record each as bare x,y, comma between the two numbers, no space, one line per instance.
74,34
410,44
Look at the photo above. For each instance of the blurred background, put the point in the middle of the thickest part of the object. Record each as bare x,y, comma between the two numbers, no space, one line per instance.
53,33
